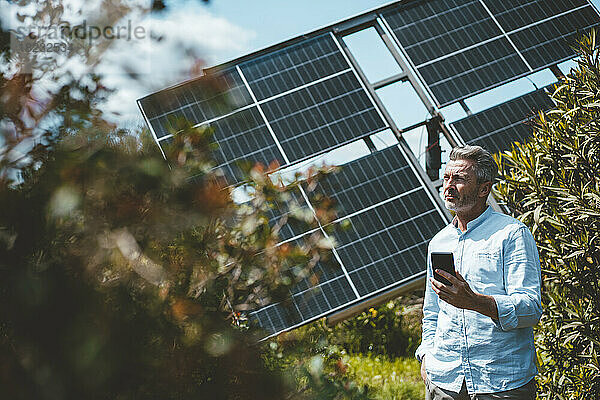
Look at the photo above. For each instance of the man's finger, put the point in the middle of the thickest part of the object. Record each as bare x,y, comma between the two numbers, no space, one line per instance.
437,284
438,287
434,284
451,278
443,291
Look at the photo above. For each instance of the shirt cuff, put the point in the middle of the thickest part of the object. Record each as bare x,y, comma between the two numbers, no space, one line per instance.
507,316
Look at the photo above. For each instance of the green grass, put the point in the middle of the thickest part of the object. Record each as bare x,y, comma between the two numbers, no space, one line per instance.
398,378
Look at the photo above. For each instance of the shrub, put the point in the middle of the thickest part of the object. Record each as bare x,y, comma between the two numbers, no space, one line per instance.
552,183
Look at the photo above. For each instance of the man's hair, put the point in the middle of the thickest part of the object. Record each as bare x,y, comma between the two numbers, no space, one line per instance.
484,165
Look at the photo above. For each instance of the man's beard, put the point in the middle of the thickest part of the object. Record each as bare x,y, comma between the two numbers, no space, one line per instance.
463,203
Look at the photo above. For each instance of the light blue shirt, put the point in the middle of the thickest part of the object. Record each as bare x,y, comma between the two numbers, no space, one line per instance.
497,256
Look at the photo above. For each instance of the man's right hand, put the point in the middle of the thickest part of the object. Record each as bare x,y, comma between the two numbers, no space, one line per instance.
423,371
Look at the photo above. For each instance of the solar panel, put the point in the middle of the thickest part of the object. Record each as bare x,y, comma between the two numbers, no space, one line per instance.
432,29
322,116
514,14
293,66
369,180
243,135
498,127
305,305
391,219
388,243
472,70
463,47
290,227
551,41
285,105
197,101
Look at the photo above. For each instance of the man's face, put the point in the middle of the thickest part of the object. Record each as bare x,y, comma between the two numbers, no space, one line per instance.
460,186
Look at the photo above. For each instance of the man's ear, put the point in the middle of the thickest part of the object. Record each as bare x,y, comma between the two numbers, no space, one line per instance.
485,189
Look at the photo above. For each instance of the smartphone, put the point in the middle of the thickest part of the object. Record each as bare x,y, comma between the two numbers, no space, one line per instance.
443,261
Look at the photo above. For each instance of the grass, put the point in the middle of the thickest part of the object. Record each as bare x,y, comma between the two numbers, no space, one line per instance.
398,378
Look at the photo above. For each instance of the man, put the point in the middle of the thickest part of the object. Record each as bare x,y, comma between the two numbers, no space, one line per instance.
477,332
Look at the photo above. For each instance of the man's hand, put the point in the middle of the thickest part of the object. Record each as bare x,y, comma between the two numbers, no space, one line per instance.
460,295
423,370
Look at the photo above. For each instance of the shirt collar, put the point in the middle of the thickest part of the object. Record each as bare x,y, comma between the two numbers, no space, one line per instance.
474,223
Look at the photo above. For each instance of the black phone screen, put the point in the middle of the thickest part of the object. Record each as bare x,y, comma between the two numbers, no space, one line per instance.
443,261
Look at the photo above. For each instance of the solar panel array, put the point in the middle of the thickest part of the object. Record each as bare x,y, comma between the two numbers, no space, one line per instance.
498,127
391,220
295,101
462,47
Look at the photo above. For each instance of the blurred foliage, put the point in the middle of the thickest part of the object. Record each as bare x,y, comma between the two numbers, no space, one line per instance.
119,276
312,364
552,183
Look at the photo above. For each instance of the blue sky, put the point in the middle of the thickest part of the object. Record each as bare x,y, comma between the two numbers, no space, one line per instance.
273,21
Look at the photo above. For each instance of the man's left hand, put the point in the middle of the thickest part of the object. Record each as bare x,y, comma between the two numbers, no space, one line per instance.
460,295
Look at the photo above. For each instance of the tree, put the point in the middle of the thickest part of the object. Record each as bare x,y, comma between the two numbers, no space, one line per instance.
119,276
552,183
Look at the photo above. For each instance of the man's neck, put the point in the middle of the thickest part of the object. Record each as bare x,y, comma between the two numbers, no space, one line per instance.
463,217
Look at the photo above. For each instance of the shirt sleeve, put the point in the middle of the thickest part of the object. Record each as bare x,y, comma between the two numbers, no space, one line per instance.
521,306
430,314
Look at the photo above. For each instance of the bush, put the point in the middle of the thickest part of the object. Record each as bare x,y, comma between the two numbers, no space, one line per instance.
552,183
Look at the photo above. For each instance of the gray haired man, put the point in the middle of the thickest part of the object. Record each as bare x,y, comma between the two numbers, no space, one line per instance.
477,332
